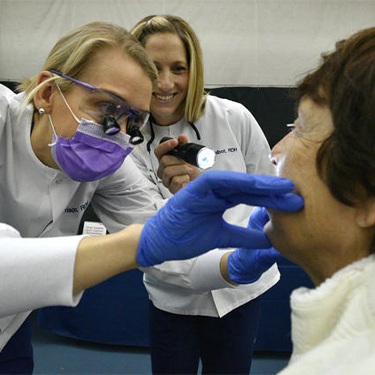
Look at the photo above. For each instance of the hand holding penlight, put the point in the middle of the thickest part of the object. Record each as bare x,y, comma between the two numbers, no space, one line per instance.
201,156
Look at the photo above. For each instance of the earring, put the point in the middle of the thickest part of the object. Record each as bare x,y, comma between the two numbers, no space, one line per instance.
41,111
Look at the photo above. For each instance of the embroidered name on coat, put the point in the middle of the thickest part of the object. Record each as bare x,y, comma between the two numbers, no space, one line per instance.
226,150
82,207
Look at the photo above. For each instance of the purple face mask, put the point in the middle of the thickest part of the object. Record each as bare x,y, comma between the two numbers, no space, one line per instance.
90,154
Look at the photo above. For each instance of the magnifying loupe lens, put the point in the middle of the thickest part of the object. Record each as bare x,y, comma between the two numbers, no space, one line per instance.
136,136
111,127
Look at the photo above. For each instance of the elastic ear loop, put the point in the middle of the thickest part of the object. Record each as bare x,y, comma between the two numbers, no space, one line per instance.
70,110
50,119
42,112
54,131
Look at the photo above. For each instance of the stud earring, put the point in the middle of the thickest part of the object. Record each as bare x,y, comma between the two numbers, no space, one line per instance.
41,111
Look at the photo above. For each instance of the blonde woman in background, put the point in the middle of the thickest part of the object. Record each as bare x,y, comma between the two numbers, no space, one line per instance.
189,321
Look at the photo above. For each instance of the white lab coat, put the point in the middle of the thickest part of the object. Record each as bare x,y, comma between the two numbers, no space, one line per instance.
39,201
40,276
184,287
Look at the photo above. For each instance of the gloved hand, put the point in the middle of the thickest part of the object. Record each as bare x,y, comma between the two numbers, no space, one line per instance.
191,222
246,265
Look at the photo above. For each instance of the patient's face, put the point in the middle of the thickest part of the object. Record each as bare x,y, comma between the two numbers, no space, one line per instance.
322,222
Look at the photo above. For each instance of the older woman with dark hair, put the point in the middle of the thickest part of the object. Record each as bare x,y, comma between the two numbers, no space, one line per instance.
330,156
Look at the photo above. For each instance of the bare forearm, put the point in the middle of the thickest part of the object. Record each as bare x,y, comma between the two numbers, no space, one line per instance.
99,258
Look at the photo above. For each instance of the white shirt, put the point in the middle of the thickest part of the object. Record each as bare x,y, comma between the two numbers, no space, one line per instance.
333,326
41,276
183,287
39,201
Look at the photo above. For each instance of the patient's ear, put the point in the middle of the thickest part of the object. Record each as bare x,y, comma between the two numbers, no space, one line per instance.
365,213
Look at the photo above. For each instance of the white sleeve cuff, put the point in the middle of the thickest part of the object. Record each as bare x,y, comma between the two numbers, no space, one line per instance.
37,272
206,275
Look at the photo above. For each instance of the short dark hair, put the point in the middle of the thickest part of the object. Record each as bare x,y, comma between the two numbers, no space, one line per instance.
345,82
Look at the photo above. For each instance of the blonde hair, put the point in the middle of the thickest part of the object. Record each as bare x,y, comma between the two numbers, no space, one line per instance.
196,95
73,52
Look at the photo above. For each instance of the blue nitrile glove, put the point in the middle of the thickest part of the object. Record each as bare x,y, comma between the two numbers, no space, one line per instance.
191,222
247,265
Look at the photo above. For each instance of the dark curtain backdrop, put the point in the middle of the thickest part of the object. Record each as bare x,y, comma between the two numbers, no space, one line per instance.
273,107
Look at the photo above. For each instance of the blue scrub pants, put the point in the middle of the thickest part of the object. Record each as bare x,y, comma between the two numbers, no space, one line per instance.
17,355
224,345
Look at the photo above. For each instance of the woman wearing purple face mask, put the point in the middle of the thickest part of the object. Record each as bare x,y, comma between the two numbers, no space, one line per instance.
63,144
57,155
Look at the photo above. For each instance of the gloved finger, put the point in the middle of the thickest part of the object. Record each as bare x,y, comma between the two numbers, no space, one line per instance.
235,236
269,256
286,202
247,265
258,218
212,203
227,183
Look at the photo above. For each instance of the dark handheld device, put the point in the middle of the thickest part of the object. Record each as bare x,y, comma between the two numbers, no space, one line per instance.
198,155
